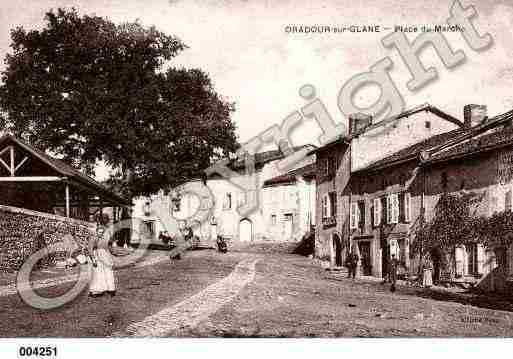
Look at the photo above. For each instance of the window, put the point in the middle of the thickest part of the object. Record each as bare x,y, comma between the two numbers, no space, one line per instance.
273,219
377,211
177,204
332,197
471,258
428,124
149,228
227,201
353,221
329,205
288,217
508,201
361,214
407,207
325,206
393,208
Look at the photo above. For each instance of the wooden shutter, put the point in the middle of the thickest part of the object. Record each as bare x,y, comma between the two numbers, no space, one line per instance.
353,221
324,206
395,208
407,207
377,211
401,217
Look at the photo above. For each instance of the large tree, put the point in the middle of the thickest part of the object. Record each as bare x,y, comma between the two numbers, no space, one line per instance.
91,90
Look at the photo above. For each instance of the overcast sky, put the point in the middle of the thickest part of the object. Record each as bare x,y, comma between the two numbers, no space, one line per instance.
244,47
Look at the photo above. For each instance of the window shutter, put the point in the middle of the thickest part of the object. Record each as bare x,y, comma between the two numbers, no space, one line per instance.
377,211
407,207
402,207
396,207
353,222
328,206
324,206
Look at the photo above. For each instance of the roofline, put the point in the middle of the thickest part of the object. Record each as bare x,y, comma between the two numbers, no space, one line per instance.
424,107
466,154
493,122
340,140
70,176
386,165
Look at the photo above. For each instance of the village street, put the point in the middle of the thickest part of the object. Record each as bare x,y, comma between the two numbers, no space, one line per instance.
253,291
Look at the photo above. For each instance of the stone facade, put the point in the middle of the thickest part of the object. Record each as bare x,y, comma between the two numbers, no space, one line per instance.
332,180
355,151
23,232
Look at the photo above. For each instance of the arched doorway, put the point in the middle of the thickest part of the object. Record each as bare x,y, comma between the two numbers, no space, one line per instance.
338,250
245,230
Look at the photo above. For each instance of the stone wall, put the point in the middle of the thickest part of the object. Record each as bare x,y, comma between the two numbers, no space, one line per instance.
23,232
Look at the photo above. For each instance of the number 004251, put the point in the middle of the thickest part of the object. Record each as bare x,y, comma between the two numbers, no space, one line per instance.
38,351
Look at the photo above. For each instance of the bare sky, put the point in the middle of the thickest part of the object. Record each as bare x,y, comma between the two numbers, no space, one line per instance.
243,45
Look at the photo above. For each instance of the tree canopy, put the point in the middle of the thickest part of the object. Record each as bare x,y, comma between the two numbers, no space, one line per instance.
88,89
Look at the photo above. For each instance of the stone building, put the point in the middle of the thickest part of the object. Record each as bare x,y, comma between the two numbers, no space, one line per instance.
224,217
389,196
365,144
288,204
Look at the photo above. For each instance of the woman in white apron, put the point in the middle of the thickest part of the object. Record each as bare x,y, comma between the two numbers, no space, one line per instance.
102,279
427,273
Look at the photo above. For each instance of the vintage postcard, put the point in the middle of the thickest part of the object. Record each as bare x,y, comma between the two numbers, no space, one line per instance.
217,169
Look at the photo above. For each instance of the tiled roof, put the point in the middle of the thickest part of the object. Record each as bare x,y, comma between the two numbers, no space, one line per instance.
500,136
262,158
458,142
64,169
424,107
414,150
307,171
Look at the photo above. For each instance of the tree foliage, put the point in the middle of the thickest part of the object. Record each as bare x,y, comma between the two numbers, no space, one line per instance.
91,90
453,223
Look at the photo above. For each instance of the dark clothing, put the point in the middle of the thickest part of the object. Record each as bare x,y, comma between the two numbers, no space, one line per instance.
351,264
394,265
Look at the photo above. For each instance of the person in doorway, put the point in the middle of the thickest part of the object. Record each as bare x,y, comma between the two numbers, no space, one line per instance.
102,280
352,264
394,265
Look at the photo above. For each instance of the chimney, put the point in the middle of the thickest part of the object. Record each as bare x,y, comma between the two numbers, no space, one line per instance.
473,115
358,122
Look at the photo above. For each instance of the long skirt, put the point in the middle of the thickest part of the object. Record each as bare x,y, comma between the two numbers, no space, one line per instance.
103,275
427,278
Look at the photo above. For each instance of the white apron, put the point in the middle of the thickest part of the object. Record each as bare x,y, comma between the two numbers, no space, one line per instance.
427,279
102,275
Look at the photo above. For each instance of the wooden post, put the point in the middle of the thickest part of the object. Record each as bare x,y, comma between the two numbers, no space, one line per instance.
67,200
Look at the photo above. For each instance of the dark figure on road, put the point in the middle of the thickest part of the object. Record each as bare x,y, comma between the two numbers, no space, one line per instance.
351,264
221,244
394,265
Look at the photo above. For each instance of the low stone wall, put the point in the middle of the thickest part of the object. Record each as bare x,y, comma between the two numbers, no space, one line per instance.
23,232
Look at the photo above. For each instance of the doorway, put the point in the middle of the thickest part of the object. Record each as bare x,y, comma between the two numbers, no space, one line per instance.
245,230
338,250
365,257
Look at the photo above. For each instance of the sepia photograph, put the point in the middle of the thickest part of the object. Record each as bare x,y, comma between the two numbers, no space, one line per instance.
211,170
